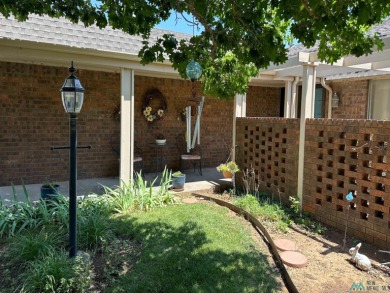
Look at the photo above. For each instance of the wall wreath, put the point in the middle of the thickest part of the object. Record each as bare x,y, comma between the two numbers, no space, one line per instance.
154,106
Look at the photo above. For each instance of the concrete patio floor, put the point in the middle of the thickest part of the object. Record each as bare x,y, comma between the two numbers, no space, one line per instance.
194,182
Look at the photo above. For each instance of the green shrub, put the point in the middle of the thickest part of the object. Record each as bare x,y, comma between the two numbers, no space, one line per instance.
266,210
93,230
17,215
32,245
141,195
249,203
57,273
96,204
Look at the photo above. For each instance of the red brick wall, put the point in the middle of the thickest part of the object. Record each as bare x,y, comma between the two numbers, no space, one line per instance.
353,99
270,146
343,156
262,101
216,122
32,119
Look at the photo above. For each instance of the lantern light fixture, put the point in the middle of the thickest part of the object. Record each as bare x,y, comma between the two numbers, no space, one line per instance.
72,93
335,100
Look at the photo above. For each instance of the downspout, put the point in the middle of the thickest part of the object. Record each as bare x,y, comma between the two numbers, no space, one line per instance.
329,89
294,104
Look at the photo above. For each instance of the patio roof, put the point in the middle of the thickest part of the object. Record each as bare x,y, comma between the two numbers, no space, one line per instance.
377,63
55,41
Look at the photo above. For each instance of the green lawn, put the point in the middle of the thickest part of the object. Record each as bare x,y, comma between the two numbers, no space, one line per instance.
192,248
138,242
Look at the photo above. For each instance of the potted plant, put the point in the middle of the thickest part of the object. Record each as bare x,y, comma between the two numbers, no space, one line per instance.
178,180
228,169
160,138
49,190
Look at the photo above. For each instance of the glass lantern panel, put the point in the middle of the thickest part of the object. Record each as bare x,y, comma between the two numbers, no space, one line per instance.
68,101
72,101
79,101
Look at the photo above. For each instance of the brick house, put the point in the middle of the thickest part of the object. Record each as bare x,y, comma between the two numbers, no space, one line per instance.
33,65
312,149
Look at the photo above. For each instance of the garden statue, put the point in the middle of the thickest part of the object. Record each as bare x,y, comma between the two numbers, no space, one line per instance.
360,260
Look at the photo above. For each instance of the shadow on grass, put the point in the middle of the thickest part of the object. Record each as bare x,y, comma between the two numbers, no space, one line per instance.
183,259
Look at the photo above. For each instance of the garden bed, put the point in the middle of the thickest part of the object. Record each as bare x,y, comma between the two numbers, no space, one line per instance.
329,268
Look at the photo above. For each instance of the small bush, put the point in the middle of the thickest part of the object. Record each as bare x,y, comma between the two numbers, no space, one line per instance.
249,203
93,230
32,245
141,195
57,273
18,216
266,210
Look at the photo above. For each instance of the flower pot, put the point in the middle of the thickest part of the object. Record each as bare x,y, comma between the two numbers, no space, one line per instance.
161,141
178,181
49,190
227,174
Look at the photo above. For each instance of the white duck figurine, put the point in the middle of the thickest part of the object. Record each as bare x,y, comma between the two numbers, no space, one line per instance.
361,261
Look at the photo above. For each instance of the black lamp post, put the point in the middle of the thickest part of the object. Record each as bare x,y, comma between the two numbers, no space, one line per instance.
72,94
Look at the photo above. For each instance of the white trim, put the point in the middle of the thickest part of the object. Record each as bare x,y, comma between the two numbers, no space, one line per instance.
85,58
287,99
294,98
369,102
330,95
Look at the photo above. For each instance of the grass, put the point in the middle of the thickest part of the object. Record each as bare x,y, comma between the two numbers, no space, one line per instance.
193,248
139,241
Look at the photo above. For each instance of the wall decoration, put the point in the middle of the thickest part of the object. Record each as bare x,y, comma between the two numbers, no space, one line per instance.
154,106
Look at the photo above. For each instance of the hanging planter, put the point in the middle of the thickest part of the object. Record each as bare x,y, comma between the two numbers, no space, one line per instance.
227,174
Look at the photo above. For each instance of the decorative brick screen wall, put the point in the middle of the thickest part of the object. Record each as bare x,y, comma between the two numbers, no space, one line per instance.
270,146
343,156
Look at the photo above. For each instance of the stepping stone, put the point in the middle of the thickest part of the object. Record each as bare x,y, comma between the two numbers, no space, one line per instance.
293,259
285,244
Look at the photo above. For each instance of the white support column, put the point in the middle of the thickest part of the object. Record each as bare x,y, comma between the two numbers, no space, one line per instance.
287,99
294,98
238,111
127,126
307,104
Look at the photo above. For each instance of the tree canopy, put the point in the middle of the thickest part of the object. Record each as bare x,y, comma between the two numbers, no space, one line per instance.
239,38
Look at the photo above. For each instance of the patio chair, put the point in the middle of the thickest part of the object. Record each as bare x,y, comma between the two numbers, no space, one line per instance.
138,161
193,157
